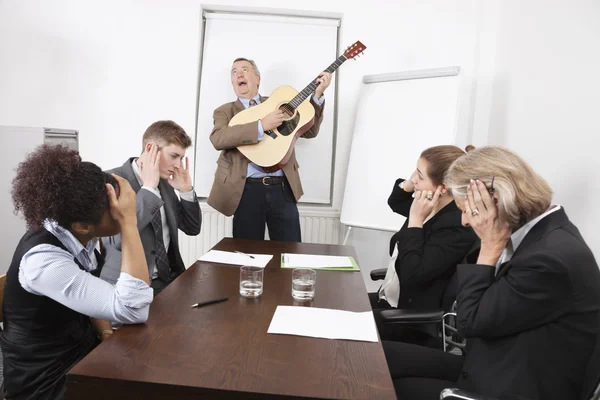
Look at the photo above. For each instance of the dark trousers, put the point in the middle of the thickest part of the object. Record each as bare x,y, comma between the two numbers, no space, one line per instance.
273,205
397,332
421,373
157,285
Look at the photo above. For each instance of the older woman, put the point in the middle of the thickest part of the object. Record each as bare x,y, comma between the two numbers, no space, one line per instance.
528,301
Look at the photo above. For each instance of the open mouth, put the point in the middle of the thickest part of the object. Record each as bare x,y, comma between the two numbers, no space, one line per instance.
242,84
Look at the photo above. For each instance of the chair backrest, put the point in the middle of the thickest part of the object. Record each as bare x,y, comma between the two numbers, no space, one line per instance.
591,382
449,295
2,280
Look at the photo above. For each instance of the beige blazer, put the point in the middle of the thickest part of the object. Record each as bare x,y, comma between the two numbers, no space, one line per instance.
232,166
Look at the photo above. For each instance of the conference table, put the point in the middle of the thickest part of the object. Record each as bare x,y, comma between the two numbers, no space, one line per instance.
223,350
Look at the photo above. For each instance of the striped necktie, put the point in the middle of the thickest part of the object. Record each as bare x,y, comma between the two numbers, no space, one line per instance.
162,261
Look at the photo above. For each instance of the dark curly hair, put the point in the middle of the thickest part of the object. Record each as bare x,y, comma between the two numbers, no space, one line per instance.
54,183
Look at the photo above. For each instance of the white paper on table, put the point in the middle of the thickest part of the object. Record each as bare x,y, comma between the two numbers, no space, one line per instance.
227,257
316,261
324,323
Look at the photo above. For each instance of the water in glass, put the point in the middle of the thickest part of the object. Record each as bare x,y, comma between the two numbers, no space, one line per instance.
303,289
251,288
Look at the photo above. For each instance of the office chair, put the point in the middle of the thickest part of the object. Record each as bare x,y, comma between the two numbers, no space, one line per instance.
437,323
2,280
590,391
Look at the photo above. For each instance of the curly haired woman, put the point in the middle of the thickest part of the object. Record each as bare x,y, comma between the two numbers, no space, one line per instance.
52,291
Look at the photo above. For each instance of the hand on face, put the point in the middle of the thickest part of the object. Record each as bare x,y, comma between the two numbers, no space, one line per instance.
123,208
481,213
181,179
423,204
323,82
408,184
149,163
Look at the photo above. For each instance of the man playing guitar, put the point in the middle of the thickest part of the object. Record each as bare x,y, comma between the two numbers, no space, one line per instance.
241,188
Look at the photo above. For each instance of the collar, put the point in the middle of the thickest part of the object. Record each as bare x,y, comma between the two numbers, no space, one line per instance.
69,240
519,235
246,102
136,171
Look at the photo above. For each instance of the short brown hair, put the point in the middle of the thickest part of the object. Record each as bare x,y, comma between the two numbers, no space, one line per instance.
165,133
439,159
522,193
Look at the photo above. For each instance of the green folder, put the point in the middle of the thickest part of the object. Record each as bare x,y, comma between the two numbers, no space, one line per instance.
354,266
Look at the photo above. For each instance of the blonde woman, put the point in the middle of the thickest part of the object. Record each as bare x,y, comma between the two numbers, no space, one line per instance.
528,300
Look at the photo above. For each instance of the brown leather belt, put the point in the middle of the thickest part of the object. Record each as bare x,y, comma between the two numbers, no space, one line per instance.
267,180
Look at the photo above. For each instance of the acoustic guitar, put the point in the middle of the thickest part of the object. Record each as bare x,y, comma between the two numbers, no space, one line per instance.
274,151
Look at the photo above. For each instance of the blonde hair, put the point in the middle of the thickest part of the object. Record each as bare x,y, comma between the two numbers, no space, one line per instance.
521,192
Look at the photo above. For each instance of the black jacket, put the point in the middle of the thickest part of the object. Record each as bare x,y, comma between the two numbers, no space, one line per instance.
532,326
427,257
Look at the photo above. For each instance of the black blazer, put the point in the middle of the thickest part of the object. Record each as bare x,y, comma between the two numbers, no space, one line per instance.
427,257
532,327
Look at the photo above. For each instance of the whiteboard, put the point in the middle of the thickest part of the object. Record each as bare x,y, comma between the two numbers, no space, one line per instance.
399,116
266,39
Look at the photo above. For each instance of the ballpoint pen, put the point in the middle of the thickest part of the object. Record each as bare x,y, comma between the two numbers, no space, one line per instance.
247,255
207,302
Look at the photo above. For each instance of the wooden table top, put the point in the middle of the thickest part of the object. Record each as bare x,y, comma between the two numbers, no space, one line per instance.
223,350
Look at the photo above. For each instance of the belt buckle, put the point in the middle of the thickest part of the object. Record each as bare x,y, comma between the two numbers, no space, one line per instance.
264,181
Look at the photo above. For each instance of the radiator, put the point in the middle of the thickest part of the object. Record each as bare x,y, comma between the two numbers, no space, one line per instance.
317,226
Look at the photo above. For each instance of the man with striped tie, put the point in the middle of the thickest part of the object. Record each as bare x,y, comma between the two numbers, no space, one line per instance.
161,169
241,188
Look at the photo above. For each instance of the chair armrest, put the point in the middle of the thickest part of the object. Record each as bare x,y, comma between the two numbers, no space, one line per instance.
458,394
378,274
400,316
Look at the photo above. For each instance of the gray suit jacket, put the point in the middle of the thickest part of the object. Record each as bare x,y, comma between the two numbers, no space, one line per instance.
181,214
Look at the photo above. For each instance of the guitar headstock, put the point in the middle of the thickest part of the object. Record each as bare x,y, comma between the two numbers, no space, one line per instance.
355,50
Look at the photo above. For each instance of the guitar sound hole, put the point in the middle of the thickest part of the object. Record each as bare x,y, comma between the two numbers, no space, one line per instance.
288,127
287,110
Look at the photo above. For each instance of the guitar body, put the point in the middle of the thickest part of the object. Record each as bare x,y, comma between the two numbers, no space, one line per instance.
274,151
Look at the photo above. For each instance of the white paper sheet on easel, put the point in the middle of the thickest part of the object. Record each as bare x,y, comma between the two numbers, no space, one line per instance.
316,261
227,257
324,323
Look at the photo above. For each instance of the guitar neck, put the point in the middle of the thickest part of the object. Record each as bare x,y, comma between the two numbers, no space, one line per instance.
311,87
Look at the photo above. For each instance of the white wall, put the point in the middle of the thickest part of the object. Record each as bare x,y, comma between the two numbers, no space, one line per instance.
111,68
544,97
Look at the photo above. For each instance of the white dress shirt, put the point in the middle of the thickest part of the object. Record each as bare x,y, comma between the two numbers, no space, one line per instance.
517,237
390,289
47,270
